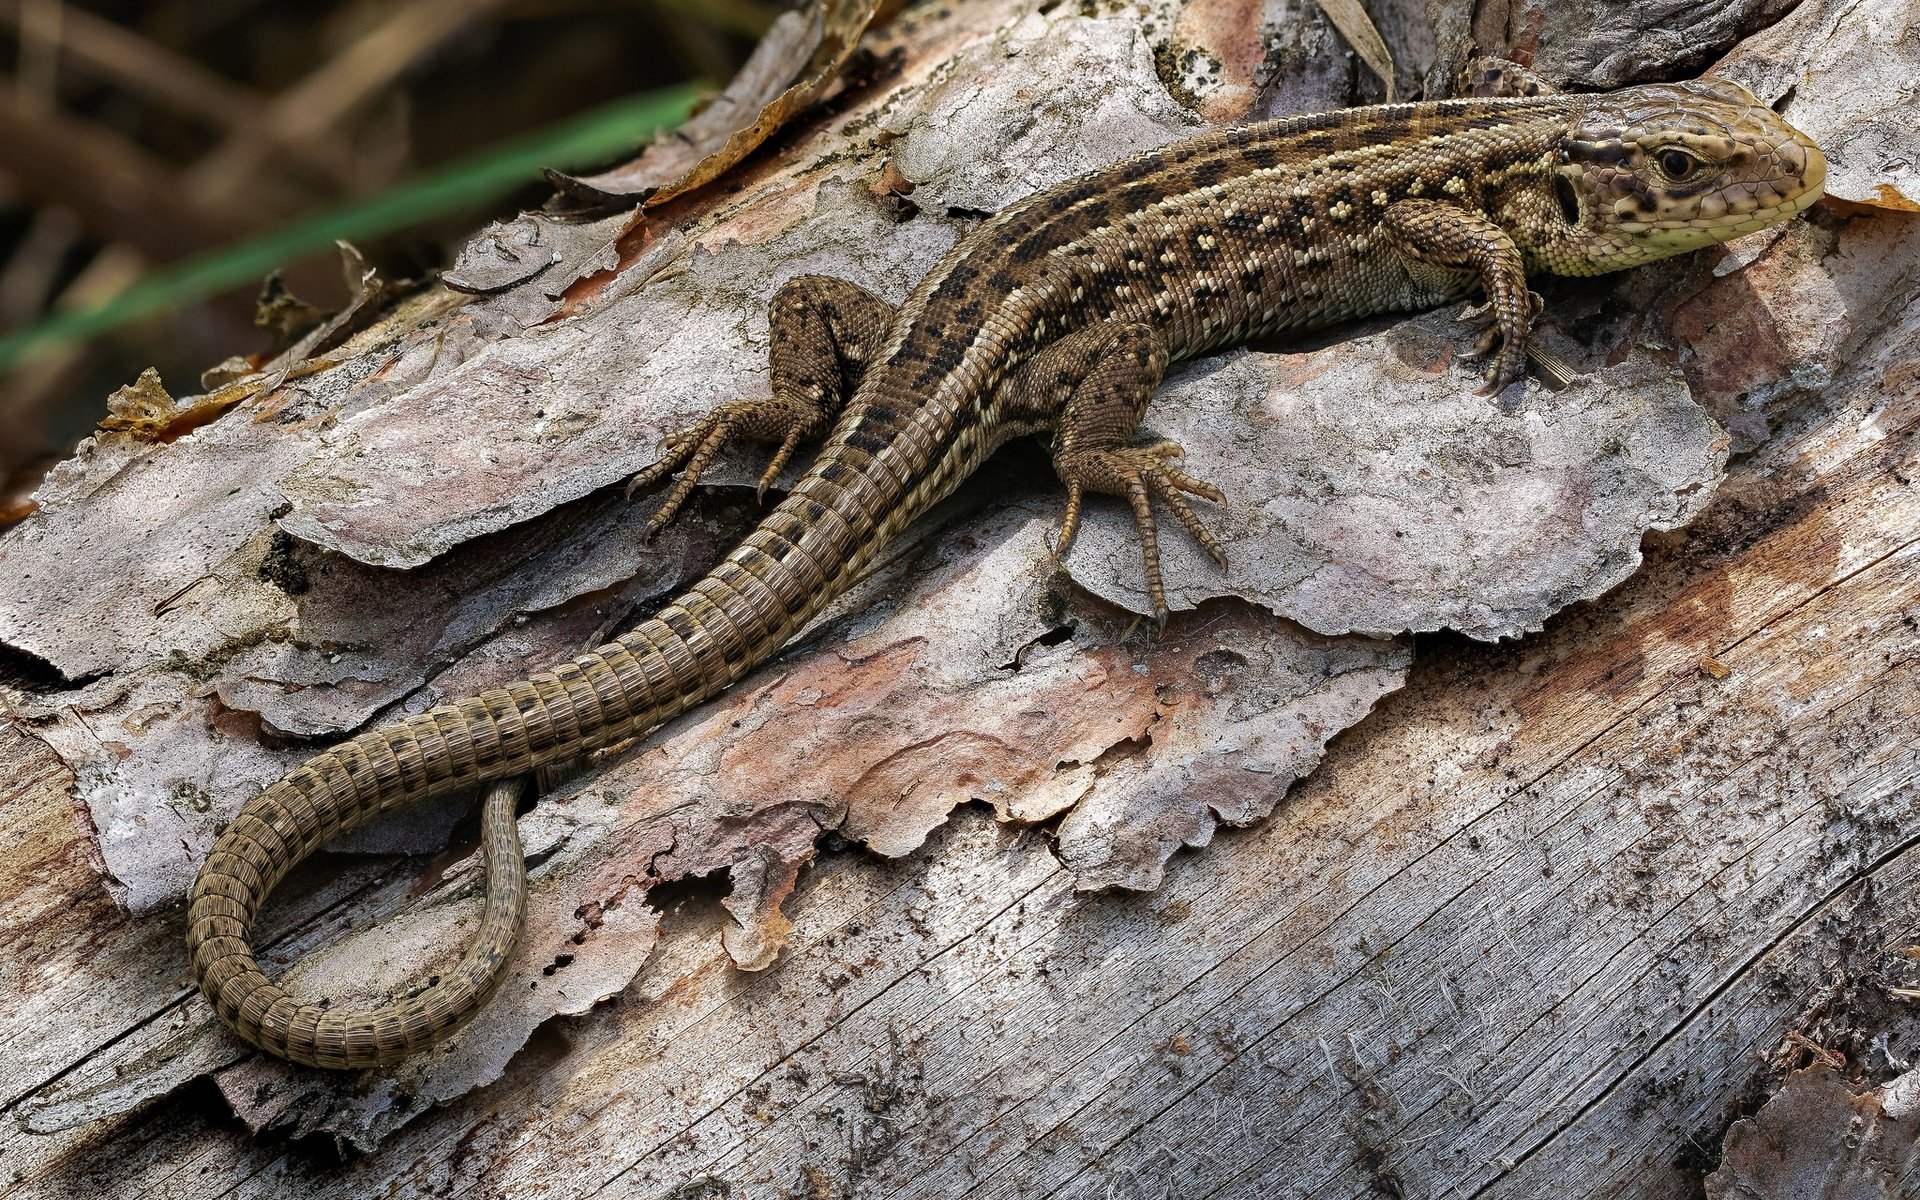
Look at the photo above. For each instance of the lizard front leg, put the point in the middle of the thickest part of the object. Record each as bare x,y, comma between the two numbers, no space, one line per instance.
823,333
1438,235
1093,387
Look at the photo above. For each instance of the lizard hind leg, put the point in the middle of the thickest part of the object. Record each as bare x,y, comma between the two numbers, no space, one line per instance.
824,331
1093,387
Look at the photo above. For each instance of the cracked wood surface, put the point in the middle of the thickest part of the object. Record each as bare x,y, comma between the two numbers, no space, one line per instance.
1550,911
1555,910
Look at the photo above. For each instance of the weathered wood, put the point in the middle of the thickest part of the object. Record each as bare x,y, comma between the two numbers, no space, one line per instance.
1546,922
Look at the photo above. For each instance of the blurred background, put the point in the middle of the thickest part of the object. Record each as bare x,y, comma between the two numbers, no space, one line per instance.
159,158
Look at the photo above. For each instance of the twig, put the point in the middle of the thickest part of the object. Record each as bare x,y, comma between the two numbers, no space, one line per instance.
1358,28
319,102
119,191
122,57
29,278
37,388
1821,1054
745,17
38,22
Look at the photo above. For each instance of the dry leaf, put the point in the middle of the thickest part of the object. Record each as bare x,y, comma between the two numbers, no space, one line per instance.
143,409
282,314
796,61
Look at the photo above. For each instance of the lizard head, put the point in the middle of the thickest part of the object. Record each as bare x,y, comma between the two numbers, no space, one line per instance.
1661,169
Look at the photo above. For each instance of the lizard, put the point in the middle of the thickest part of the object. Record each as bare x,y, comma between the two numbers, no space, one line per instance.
1056,317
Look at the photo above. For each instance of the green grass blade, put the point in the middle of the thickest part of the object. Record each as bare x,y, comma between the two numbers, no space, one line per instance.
467,183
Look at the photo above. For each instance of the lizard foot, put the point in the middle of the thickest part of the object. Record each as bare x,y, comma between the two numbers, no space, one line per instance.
692,450
1139,473
1505,354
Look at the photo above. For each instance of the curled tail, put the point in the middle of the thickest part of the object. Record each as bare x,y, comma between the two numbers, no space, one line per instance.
234,883
797,561
743,611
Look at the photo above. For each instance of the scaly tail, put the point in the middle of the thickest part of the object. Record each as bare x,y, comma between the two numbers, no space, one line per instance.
728,622
232,886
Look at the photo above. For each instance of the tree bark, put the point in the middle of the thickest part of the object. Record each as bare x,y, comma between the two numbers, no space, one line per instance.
905,913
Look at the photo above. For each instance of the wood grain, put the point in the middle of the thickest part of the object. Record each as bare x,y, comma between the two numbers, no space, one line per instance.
1553,908
1545,923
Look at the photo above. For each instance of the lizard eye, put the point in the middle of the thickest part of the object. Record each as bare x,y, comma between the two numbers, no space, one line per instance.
1677,165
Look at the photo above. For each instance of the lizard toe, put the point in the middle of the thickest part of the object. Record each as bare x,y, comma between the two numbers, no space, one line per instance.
690,451
1141,474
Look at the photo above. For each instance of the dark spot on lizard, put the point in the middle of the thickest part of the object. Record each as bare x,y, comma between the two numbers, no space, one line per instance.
1206,174
1263,157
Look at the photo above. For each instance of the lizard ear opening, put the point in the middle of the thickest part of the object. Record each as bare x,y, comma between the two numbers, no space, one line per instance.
1569,202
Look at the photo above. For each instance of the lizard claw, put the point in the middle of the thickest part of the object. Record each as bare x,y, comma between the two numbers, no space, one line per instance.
1484,345
779,463
1141,474
1502,344
692,450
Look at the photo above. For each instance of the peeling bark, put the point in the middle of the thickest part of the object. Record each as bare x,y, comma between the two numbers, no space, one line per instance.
1560,909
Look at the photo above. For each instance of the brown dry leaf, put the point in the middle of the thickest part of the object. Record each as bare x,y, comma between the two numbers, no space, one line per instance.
1885,197
144,410
282,314
796,61
1358,28
364,290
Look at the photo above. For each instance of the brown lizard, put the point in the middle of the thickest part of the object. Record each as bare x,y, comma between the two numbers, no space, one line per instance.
1058,316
